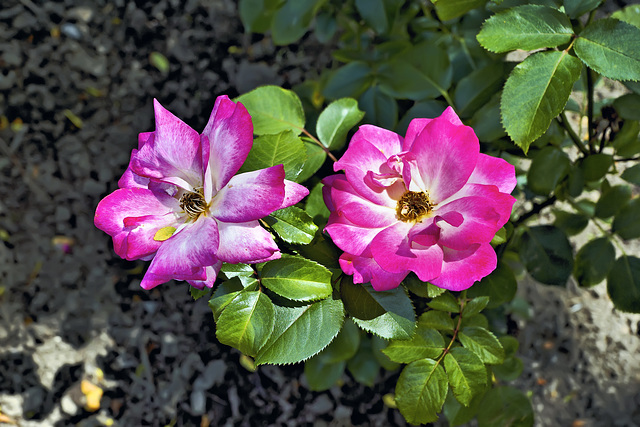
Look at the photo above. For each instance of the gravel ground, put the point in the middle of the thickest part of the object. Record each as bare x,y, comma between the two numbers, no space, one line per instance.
76,87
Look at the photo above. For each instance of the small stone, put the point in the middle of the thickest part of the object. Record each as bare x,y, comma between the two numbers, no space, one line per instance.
70,30
198,402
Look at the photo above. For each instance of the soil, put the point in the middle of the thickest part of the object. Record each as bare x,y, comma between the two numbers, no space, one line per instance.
77,80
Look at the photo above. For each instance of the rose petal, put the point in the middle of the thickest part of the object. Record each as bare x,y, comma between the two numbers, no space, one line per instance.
250,196
494,171
348,236
358,210
244,242
211,273
461,269
365,270
293,193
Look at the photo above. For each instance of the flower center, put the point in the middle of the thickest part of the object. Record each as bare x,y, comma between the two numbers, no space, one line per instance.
413,206
193,203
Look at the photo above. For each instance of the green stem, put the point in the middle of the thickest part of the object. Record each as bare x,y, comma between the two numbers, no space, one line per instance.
325,149
562,119
463,299
591,133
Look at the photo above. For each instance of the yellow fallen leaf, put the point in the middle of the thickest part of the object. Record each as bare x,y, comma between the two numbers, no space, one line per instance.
93,394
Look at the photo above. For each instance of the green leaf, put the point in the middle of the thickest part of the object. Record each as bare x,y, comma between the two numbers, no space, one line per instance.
233,270
421,391
351,80
322,375
505,406
297,279
596,166
445,302
476,89
632,175
336,121
528,27
326,26
378,344
457,414
434,319
344,346
537,91
247,322
477,320
628,106
380,108
256,15
421,109
500,286
570,223
510,369
486,121
293,225
483,343
420,288
547,169
626,223
510,345
577,8
420,72
362,366
315,159
547,254
301,332
475,306
466,372
449,9
612,48
315,206
426,342
198,293
626,141
623,284
159,61
227,291
273,110
594,261
292,21
612,200
374,14
630,14
387,314
284,148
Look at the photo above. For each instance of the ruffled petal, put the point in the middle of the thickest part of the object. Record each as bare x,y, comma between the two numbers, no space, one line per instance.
446,154
502,203
244,242
494,171
185,255
348,236
211,273
364,270
293,193
358,210
130,202
250,196
173,155
140,240
392,250
230,136
461,269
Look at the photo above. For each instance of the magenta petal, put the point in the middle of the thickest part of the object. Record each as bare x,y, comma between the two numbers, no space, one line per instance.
244,242
185,254
174,155
140,241
365,270
250,196
461,269
392,250
211,272
230,136
481,222
130,202
502,203
446,155
348,236
129,179
494,171
293,193
358,210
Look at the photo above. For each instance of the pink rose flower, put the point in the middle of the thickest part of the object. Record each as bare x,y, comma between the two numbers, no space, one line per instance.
180,205
429,203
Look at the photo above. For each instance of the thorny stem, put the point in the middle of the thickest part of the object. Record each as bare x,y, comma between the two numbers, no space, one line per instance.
562,119
537,207
325,149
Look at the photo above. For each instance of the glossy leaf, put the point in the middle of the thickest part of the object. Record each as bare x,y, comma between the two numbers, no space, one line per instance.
547,254
500,286
628,106
535,93
315,206
396,318
256,15
623,284
476,89
273,110
227,291
316,157
363,367
528,27
509,370
632,175
247,322
431,108
483,343
301,332
426,342
626,223
380,108
374,14
458,414
449,9
612,200
467,374
291,21
505,406
626,141
322,375
350,80
629,14
486,121
196,293
577,8
293,225
344,346
297,279
548,167
445,302
596,166
420,288
612,48
434,319
284,148
475,306
421,391
336,121
570,223
594,261
378,345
